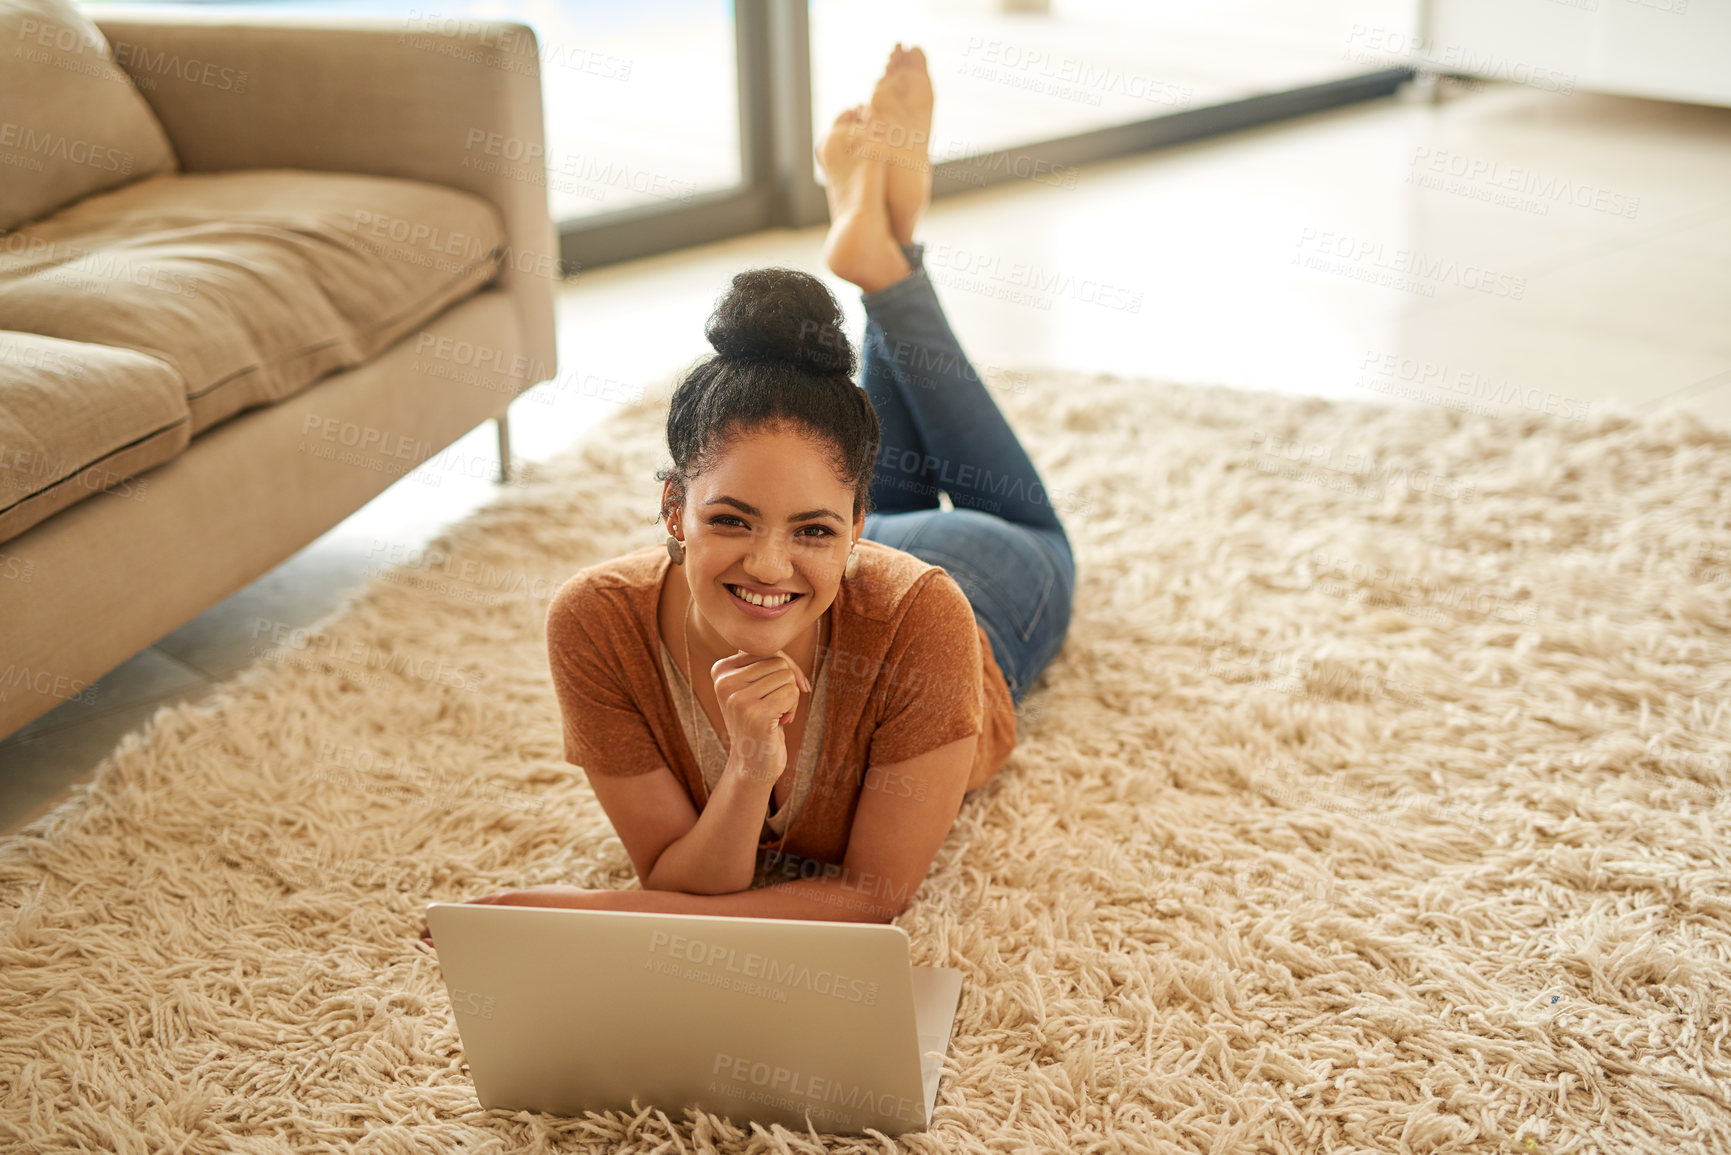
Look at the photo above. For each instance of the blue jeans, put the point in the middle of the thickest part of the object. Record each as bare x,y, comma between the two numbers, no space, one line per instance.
1002,542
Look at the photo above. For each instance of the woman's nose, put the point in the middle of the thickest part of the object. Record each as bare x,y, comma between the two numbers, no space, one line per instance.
767,560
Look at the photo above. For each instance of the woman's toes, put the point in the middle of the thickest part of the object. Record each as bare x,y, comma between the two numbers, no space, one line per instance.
902,105
838,150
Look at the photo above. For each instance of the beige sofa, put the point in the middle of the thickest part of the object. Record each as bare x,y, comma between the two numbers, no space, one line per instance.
249,327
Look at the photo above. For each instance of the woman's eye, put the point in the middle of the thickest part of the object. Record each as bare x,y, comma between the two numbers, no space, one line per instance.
730,520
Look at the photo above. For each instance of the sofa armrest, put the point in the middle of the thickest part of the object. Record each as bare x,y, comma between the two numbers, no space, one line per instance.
403,98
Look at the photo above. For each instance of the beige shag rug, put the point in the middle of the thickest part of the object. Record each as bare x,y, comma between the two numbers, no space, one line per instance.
1378,802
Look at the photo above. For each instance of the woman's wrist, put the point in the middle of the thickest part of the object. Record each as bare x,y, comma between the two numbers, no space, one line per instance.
749,776
742,766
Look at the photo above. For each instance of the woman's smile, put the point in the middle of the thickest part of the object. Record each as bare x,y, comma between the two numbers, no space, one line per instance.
758,606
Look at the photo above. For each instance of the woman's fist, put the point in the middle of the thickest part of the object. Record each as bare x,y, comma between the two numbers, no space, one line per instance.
758,697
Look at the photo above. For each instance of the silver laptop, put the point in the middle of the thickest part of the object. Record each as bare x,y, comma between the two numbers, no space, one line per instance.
819,1024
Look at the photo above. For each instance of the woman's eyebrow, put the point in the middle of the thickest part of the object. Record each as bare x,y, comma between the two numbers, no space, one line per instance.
753,511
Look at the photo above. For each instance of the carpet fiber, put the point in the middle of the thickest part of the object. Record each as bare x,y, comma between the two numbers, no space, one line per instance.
1377,802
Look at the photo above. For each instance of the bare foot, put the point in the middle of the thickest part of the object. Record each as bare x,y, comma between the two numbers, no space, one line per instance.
901,127
859,247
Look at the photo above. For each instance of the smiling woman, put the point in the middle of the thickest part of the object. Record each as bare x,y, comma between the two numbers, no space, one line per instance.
781,710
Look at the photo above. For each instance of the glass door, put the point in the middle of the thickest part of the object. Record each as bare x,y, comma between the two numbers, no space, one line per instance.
642,101
1029,88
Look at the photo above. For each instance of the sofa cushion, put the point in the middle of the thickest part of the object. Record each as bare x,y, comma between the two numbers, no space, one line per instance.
253,284
71,121
78,419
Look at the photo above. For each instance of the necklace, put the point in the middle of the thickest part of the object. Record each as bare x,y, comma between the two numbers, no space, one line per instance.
692,706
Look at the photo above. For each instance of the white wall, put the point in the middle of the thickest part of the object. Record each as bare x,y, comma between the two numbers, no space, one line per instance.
1670,49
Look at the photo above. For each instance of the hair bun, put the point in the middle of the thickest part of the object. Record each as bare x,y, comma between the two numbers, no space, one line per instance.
781,315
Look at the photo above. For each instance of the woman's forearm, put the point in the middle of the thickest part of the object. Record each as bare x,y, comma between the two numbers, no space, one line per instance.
827,899
719,853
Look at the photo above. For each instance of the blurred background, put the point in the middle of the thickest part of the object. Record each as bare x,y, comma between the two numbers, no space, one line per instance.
650,104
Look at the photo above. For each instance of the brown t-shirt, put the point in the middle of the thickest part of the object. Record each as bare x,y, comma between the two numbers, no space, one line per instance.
910,670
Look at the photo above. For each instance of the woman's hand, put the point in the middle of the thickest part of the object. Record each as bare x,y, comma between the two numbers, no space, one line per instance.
548,894
758,697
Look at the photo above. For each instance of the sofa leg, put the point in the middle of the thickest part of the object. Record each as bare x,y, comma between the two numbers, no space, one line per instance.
502,420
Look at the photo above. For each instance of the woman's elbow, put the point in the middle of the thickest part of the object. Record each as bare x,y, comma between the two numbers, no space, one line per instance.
880,904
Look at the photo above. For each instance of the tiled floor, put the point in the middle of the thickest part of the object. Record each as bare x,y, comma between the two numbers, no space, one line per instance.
1558,249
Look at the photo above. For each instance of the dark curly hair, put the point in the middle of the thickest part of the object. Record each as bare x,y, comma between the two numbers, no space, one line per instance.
781,360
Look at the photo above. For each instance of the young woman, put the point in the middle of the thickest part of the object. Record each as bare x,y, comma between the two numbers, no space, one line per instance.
781,711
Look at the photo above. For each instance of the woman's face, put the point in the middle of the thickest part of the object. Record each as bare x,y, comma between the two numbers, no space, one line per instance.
771,515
